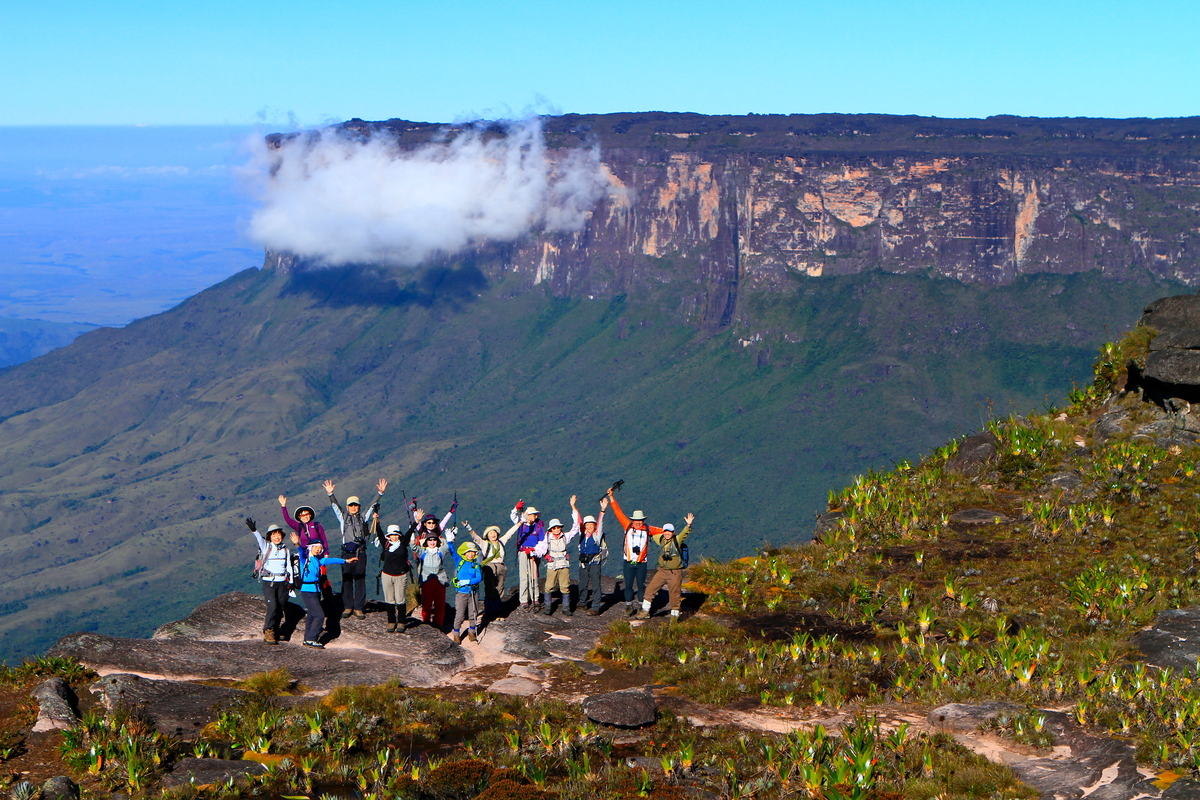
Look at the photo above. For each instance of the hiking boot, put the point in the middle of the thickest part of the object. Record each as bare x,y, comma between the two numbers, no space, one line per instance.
454,637
317,645
346,614
545,610
358,612
391,628
269,637
471,636
642,614
593,612
630,609
568,612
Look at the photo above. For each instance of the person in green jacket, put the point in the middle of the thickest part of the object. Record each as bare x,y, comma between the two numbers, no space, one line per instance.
669,573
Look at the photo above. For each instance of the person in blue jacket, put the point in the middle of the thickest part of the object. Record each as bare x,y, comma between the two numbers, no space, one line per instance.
468,576
311,561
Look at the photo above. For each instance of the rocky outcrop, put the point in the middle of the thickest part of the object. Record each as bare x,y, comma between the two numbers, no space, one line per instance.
210,772
1172,370
177,708
56,705
975,454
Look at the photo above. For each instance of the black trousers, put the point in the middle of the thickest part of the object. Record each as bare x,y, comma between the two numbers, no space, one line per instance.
354,592
275,593
315,618
589,581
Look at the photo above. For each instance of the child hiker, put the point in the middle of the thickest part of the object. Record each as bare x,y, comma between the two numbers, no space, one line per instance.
669,573
593,552
354,542
530,532
393,575
636,546
311,561
275,572
432,556
467,577
491,561
558,564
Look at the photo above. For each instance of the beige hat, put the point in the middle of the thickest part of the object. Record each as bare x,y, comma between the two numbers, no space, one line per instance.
638,516
352,500
489,529
531,510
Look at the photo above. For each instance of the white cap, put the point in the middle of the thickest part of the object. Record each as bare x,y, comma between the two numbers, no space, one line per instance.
588,518
393,530
669,527
553,524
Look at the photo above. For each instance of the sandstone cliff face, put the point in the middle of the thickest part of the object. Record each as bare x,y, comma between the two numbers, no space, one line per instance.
755,221
716,205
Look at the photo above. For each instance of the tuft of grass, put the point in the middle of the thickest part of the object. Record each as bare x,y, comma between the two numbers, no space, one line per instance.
269,684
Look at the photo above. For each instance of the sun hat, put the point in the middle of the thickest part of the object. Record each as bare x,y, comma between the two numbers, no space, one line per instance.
272,528
531,510
491,528
638,516
302,509
393,530
467,547
588,518
554,523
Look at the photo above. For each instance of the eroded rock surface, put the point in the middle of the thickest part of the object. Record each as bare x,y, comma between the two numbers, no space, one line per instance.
56,705
628,708
210,771
975,454
1173,640
177,708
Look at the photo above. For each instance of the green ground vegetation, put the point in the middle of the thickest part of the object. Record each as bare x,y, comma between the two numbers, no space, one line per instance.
898,604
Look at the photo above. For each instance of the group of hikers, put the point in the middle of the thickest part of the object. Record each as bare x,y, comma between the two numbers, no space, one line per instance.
425,552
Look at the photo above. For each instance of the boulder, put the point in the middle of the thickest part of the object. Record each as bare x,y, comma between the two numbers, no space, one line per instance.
521,687
628,708
177,708
1177,340
1174,366
825,523
1109,425
526,671
56,705
210,771
975,454
1179,312
60,787
1070,481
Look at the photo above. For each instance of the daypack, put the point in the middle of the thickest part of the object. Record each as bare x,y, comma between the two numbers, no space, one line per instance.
683,556
261,562
296,579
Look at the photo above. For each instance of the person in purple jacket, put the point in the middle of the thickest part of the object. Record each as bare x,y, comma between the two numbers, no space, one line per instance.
305,525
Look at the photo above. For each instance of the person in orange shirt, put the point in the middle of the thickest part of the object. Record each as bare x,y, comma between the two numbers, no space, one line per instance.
634,551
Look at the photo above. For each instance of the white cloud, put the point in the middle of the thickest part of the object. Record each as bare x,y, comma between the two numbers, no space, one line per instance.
336,199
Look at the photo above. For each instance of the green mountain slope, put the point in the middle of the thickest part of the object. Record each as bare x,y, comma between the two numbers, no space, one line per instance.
130,457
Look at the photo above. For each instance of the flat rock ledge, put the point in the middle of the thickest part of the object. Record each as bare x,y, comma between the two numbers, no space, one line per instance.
1082,766
1173,641
177,708
210,771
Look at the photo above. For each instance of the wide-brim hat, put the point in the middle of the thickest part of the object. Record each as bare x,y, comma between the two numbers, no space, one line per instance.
554,523
467,547
588,518
531,510
352,500
428,517
393,530
302,509
272,528
638,516
491,528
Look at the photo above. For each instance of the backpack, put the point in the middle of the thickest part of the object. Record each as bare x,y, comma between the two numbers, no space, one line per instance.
296,580
683,556
260,562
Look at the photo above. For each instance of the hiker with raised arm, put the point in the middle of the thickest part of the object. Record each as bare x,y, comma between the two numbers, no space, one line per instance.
305,526
355,533
491,561
531,531
467,578
672,561
432,558
275,571
635,548
555,550
312,584
593,552
394,569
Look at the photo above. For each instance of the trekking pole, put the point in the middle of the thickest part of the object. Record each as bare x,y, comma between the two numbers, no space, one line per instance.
616,487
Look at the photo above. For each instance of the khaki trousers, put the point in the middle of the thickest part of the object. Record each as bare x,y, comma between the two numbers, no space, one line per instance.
672,579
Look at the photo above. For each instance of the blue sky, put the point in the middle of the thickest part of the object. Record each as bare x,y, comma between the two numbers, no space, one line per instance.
219,62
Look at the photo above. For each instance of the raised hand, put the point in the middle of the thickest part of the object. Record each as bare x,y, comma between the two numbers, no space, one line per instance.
689,518
609,493
604,503
418,514
328,487
381,485
250,524
283,501
295,538
574,497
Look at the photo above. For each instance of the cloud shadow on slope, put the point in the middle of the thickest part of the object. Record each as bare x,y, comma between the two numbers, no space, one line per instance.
358,285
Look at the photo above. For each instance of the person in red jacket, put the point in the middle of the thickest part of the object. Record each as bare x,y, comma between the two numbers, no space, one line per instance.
634,551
